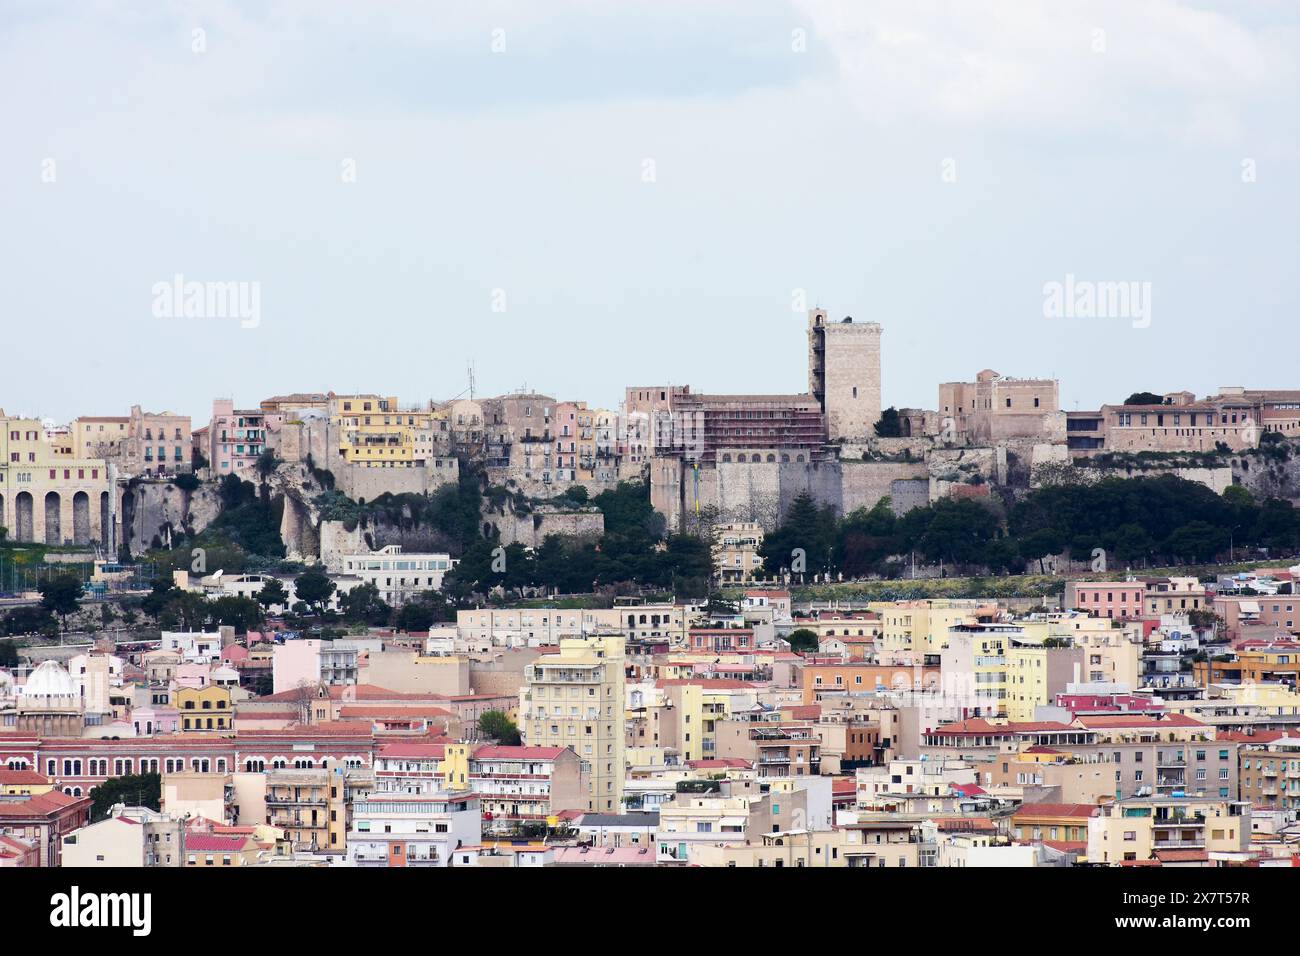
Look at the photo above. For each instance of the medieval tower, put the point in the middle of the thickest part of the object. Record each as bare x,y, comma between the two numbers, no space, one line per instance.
844,373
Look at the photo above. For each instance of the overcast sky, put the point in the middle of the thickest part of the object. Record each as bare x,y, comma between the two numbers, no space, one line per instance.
579,199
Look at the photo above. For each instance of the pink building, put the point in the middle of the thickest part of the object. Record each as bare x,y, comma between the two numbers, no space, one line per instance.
234,438
1242,613
1120,600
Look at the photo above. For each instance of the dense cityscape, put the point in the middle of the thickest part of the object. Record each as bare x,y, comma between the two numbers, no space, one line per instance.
696,630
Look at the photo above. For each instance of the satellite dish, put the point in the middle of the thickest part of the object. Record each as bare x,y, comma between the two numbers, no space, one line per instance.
219,572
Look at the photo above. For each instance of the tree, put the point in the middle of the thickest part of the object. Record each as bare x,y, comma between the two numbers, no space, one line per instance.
133,790
314,588
414,616
802,640
889,425
61,595
363,604
1144,398
8,654
495,725
241,613
184,611
1041,544
273,594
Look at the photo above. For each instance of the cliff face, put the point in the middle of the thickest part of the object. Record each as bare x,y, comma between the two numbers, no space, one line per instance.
154,511
1267,477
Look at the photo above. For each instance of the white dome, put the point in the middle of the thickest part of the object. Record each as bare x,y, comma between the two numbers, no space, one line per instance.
49,680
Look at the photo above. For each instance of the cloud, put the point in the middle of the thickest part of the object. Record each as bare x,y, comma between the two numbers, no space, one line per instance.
1118,65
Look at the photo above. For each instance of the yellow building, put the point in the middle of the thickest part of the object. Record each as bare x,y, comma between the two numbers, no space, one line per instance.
735,551
50,498
575,698
1169,829
23,783
204,708
376,431
922,626
309,805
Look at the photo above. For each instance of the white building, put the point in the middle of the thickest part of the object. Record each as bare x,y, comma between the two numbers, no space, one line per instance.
395,829
398,576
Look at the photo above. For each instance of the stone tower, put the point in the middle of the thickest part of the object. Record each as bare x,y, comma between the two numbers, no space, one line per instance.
844,373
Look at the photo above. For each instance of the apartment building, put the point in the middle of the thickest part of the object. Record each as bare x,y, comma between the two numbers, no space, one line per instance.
516,785
309,805
735,551
1172,830
1270,774
206,709
775,749
1117,600
574,698
233,439
412,830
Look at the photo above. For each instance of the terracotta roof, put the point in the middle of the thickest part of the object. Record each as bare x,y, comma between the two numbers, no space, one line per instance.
208,843
16,778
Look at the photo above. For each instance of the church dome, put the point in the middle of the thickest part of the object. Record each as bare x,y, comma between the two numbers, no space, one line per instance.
49,680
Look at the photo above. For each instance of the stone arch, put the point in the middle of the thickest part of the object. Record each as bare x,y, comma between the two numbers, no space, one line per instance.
53,526
81,518
23,515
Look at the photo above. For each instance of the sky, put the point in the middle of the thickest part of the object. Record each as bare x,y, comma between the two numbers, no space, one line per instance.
578,196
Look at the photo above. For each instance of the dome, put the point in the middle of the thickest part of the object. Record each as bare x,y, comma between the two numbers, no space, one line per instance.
49,680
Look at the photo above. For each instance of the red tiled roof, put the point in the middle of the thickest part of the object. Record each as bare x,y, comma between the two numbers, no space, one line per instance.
15,778
1257,737
205,843
1032,811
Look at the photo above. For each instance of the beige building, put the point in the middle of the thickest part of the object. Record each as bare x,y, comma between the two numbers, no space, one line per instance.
1188,830
50,499
575,698
993,409
735,551
129,837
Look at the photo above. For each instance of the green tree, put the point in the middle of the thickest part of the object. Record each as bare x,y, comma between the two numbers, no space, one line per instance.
889,425
414,616
802,640
1144,398
314,588
132,790
1042,544
61,595
495,725
273,594
241,613
363,604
